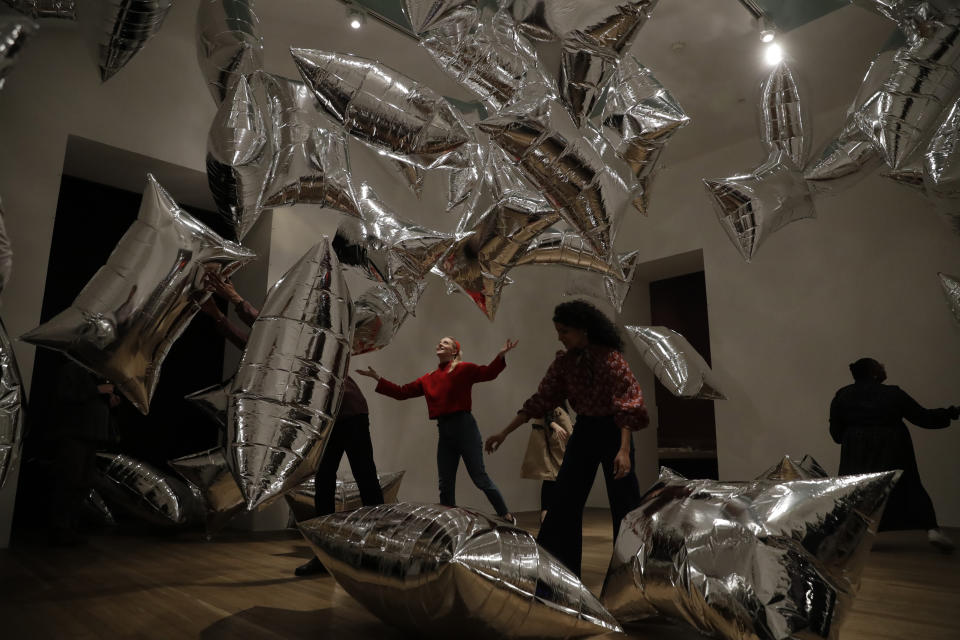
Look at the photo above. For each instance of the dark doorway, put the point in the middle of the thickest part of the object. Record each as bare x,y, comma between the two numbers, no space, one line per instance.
90,220
686,438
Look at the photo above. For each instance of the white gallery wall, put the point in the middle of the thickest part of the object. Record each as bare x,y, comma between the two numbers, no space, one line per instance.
859,280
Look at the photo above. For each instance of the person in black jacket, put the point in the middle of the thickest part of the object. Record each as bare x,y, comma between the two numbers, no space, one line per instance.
866,419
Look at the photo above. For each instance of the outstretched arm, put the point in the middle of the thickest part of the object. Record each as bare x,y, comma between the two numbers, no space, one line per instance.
493,442
483,373
387,388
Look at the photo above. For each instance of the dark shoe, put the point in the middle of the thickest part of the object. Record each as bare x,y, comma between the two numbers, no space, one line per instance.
312,568
512,519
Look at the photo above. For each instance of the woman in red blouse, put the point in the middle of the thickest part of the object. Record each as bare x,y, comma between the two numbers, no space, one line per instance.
447,391
595,378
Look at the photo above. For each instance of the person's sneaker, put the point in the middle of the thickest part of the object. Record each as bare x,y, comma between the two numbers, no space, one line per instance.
512,519
312,568
940,540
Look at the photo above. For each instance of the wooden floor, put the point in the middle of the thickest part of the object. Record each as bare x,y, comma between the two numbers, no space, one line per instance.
242,586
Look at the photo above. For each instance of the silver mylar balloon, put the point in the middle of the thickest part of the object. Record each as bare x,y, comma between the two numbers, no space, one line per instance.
130,23
788,469
508,182
212,401
46,8
784,122
142,490
346,496
590,52
228,43
286,392
489,58
569,249
425,15
760,560
604,287
382,107
15,29
239,153
125,319
752,206
941,168
96,508
478,261
675,363
951,289
639,117
587,186
925,76
443,572
377,316
310,163
208,471
11,406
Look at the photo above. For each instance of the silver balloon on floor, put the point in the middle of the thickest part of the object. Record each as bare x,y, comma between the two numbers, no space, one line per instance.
286,392
143,491
346,495
789,469
124,321
676,364
12,404
760,560
209,473
443,572
128,27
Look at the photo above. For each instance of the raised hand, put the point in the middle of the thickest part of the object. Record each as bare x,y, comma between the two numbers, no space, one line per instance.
369,372
508,345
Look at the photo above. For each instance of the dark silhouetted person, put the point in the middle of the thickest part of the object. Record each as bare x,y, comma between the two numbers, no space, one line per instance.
866,419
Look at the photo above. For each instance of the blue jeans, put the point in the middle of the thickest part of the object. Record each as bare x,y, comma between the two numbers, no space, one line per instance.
460,437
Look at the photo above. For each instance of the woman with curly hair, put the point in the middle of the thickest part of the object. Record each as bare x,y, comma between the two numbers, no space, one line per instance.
592,374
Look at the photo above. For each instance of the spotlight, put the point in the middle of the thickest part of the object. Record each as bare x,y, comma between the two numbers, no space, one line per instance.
767,35
773,54
355,17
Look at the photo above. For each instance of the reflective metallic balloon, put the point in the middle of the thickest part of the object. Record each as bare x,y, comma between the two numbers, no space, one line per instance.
239,153
310,163
125,319
588,189
425,15
14,32
46,8
346,496
228,43
488,58
951,289
612,289
639,117
760,560
569,249
941,169
377,316
142,490
286,392
444,572
787,469
11,406
478,261
752,206
675,363
391,112
96,509
212,401
508,182
842,162
784,122
923,79
208,471
130,23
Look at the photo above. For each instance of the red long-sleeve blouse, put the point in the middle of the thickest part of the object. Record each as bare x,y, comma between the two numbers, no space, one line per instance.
597,381
445,391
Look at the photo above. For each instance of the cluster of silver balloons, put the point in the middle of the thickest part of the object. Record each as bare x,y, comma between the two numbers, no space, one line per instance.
777,557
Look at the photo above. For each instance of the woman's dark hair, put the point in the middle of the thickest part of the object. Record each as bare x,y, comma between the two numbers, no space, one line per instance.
586,317
866,369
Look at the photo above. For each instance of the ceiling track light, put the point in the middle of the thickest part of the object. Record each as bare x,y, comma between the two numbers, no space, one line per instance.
356,17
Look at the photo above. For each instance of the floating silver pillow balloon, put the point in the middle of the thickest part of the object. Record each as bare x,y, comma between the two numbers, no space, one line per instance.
209,473
378,315
951,289
941,167
675,363
760,560
15,29
425,15
639,117
129,24
239,153
784,121
752,206
789,469
444,572
46,8
382,107
229,43
346,495
126,318
569,249
596,284
212,401
142,490
11,406
286,392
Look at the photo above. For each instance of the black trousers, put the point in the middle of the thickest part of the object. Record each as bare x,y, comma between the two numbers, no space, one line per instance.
595,442
350,435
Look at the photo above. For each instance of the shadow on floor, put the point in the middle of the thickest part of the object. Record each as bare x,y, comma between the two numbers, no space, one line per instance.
264,622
